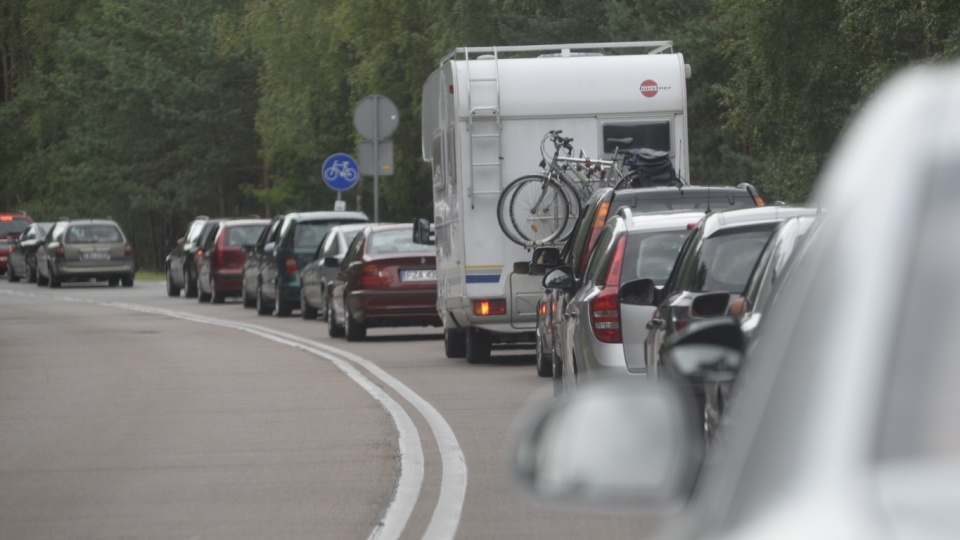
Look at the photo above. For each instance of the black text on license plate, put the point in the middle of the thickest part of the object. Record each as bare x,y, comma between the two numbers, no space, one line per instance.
418,275
95,256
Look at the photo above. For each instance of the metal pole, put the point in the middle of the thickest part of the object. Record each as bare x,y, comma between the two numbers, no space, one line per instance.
376,159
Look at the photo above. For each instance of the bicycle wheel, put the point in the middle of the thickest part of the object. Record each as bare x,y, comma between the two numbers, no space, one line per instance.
540,210
503,211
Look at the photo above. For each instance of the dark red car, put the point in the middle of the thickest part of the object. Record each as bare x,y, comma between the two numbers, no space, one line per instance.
220,259
384,280
11,226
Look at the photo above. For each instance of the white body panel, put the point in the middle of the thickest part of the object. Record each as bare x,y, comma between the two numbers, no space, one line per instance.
483,120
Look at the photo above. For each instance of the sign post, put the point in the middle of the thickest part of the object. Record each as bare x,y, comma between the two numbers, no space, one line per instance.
376,118
340,173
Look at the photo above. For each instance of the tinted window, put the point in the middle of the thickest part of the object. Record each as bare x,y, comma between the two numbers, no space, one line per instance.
395,241
92,234
651,255
655,135
724,261
242,235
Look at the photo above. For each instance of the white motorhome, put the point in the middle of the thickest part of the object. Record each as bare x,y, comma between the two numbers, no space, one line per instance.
485,111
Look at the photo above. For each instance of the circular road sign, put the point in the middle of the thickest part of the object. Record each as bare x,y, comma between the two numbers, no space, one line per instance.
341,172
376,117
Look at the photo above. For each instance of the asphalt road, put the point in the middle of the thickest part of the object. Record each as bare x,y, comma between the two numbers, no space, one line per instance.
125,413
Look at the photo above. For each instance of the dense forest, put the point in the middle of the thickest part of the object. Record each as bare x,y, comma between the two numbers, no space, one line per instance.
154,112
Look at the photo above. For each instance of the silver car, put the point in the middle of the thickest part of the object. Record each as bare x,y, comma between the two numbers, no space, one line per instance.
595,327
85,249
845,417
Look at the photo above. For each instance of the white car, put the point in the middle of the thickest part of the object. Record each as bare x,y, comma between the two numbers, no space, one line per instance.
846,419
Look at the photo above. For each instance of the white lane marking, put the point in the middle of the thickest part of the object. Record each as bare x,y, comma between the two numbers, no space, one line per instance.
453,485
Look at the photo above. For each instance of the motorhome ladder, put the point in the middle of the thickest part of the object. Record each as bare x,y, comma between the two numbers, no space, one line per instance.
484,125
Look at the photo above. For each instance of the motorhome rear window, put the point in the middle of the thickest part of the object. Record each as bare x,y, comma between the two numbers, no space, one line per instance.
655,135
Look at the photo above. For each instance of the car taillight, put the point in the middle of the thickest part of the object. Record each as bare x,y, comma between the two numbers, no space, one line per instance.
680,317
290,268
373,276
543,309
595,229
494,306
605,307
127,250
61,253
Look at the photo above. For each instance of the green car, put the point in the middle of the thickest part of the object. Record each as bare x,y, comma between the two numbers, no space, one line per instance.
271,274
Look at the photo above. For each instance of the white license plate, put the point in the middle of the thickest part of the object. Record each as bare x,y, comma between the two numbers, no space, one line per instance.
94,256
418,275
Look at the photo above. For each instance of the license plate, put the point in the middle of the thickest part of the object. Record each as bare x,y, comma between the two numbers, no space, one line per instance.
418,275
94,256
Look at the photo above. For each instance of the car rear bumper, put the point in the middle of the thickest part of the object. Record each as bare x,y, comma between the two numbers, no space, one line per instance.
395,308
77,270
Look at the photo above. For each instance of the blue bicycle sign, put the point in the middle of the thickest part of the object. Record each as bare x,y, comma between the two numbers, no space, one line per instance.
341,172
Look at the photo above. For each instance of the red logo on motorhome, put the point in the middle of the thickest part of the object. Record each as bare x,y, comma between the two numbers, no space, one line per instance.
649,88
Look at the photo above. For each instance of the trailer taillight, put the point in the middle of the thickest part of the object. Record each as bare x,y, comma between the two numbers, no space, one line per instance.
486,308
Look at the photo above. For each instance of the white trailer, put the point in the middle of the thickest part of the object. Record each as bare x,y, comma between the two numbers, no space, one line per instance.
485,111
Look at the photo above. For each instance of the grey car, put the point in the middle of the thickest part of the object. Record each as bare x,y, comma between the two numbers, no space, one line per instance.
845,419
85,249
315,276
591,329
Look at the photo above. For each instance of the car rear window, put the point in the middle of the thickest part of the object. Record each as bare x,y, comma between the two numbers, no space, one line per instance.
243,235
395,241
651,255
93,234
309,234
13,225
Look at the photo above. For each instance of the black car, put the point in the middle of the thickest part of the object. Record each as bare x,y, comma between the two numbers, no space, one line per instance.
596,211
717,256
271,274
22,262
181,265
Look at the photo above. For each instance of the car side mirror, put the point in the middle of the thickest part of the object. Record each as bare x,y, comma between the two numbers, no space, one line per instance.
611,442
423,232
331,262
711,304
522,268
546,256
560,278
269,248
640,292
710,350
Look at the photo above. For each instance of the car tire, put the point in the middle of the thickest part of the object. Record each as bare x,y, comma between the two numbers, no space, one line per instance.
216,297
281,306
53,281
478,346
32,272
544,361
323,309
333,329
307,312
11,275
455,342
113,282
172,290
127,280
245,298
353,330
262,307
189,284
202,297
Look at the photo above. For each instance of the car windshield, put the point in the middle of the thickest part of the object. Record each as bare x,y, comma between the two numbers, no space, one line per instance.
394,241
92,234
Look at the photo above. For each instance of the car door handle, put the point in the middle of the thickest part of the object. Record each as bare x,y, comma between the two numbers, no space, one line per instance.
654,323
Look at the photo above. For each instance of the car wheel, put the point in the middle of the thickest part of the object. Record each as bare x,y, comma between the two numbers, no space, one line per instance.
306,311
127,280
172,290
113,282
202,297
353,330
544,362
454,342
281,306
262,307
189,284
478,346
325,308
53,281
245,298
11,275
333,329
31,272
216,296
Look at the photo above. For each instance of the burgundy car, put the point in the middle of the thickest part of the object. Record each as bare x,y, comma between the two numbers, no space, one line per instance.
384,280
221,257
